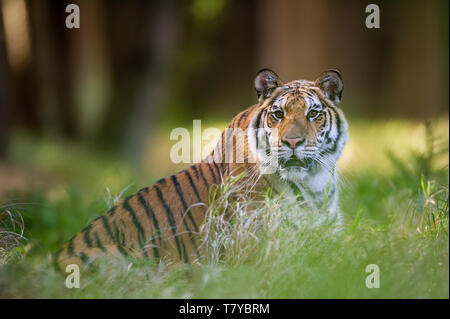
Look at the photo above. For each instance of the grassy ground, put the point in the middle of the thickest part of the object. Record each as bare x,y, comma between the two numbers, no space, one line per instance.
394,198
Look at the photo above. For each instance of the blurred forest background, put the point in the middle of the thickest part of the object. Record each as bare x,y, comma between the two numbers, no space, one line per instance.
134,64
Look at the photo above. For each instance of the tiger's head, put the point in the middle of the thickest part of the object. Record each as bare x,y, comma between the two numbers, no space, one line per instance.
300,120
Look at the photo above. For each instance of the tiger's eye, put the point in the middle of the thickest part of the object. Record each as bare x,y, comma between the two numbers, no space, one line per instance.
278,114
312,113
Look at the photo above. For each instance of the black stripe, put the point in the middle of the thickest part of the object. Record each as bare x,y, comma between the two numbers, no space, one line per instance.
188,212
243,116
112,211
98,243
179,191
191,182
87,240
267,145
161,181
123,234
107,228
212,172
171,220
266,137
137,224
154,219
119,237
329,120
328,123
70,249
338,124
151,216
123,251
258,119
217,169
203,177
232,122
194,167
185,254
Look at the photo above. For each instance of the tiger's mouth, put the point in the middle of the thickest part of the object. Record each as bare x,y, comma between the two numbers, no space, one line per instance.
294,161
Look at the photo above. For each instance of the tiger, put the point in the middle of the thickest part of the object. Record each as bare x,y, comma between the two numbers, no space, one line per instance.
302,132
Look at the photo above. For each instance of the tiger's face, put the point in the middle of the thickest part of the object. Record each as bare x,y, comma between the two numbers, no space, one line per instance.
302,122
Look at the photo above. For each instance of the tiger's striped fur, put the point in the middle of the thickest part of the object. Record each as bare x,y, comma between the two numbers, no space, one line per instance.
298,124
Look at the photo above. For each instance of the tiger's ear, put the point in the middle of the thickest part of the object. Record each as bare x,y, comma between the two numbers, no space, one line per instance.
331,84
266,82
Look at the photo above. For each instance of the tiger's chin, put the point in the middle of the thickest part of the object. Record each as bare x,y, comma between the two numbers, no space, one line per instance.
293,172
295,168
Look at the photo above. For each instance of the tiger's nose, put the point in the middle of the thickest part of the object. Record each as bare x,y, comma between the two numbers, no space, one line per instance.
292,142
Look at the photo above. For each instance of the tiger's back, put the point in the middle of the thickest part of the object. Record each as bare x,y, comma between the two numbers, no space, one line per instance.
161,220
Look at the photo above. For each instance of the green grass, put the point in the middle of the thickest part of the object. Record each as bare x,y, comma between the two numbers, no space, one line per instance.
394,200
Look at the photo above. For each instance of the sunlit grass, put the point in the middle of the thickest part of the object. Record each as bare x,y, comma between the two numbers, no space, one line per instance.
371,140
